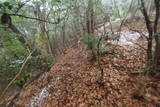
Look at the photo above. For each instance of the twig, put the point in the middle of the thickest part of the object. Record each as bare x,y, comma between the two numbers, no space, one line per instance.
21,5
99,64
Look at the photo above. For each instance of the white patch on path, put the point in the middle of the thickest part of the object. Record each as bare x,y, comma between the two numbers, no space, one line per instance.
39,97
126,38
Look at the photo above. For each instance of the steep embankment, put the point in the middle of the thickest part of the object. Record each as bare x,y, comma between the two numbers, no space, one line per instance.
72,81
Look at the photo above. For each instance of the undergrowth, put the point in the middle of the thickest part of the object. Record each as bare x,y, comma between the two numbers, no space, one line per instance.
92,41
12,56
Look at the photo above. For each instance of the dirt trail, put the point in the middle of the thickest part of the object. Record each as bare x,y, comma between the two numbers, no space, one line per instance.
72,82
63,73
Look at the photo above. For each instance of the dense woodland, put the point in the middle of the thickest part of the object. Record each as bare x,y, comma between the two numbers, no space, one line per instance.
79,53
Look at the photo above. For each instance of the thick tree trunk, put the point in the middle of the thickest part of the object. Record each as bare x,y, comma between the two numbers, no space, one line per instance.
6,19
21,38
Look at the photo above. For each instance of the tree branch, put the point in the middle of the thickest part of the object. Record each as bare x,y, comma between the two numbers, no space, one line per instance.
58,20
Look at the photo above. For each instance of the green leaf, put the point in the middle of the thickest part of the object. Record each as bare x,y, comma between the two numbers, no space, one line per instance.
59,1
1,5
6,3
10,7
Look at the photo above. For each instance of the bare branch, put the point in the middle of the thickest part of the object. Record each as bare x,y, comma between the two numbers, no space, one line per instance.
58,20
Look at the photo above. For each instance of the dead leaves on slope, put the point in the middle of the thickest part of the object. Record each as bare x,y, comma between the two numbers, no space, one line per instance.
73,80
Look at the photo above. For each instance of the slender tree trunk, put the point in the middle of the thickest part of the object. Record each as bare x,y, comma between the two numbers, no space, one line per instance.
152,30
157,53
150,38
157,36
42,31
90,18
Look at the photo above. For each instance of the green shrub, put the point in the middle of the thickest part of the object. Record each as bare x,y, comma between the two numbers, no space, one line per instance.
103,49
10,67
41,62
37,63
92,42
12,56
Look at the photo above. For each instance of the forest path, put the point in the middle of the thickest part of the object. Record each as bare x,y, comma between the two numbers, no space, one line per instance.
72,81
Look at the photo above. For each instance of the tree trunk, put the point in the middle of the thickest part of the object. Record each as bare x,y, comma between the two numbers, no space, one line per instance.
21,38
150,38
43,38
152,30
90,18
157,36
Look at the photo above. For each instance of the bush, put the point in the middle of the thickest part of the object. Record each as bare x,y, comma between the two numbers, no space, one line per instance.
41,62
92,44
91,41
12,56
103,49
37,63
10,67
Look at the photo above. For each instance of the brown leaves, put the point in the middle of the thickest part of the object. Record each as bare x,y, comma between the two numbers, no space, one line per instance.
74,80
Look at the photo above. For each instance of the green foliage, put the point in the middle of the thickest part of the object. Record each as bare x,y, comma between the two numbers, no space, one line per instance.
12,56
41,62
6,3
92,42
5,7
37,63
103,49
59,1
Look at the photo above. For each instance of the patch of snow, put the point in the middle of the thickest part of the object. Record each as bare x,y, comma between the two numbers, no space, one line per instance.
117,20
44,93
126,38
39,97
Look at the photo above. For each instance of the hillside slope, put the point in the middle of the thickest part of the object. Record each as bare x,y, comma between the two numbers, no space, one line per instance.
73,81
